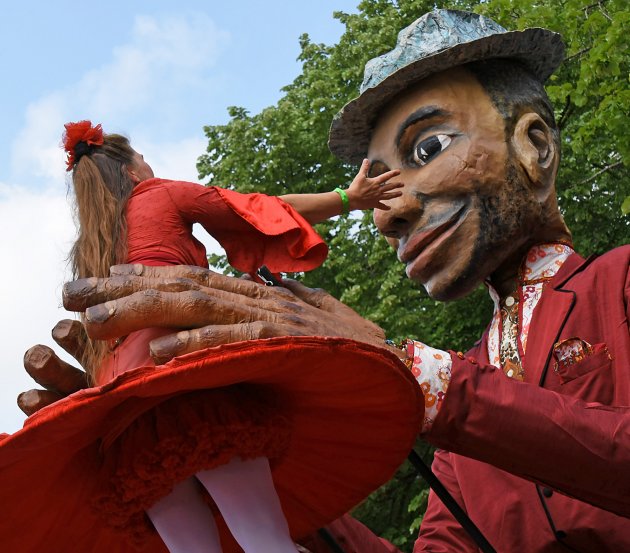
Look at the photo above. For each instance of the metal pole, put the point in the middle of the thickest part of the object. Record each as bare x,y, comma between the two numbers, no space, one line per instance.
450,503
330,541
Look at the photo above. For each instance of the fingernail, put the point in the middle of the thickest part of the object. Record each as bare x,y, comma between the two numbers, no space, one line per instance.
165,348
80,287
100,313
128,269
74,293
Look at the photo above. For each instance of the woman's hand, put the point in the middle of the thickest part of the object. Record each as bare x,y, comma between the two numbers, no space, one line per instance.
369,193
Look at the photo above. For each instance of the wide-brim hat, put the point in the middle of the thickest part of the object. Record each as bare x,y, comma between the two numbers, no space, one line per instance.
437,41
355,412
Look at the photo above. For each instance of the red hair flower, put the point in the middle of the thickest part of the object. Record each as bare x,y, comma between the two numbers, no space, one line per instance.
82,131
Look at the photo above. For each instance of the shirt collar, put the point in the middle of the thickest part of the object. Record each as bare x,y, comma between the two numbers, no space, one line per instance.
541,263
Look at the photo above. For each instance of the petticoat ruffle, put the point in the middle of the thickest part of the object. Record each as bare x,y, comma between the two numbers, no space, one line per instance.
178,438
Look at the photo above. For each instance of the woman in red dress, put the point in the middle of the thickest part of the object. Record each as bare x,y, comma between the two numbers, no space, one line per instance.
162,458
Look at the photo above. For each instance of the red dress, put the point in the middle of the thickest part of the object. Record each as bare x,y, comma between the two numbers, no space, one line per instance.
155,446
253,229
336,417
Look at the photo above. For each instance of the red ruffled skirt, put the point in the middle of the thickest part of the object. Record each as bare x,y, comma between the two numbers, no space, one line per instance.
335,417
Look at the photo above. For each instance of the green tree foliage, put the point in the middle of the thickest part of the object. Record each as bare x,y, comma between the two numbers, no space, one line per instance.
591,93
283,149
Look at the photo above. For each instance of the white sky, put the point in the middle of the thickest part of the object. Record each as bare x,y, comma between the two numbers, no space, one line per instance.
154,70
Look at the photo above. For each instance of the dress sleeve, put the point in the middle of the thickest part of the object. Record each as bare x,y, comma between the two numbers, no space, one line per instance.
254,229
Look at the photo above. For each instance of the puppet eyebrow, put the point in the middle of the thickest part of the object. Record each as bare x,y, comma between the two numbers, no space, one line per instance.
423,114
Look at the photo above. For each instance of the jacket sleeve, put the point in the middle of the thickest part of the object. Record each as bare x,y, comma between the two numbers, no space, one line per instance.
440,532
578,448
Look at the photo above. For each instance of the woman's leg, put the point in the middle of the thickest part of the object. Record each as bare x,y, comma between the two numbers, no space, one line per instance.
245,495
184,521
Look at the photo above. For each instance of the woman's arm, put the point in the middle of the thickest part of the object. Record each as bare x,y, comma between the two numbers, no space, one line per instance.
363,193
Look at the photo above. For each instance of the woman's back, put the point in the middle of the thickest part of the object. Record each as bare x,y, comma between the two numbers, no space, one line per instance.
159,227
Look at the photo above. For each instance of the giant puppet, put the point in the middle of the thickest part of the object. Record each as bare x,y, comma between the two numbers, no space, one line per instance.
532,423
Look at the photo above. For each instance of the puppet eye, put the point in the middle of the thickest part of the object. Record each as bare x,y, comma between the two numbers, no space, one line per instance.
427,149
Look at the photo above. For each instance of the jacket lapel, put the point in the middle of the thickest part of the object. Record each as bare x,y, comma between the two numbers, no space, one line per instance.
548,319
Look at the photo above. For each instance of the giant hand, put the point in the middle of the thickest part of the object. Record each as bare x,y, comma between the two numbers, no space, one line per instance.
211,309
57,377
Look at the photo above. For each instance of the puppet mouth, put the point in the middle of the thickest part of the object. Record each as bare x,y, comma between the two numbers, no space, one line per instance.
417,252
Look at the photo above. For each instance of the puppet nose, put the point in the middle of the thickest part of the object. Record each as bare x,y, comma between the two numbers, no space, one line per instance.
405,211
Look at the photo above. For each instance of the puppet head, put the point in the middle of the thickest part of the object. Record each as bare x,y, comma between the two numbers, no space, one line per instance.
459,107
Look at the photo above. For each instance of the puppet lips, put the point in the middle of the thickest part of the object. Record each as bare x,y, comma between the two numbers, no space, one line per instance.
417,251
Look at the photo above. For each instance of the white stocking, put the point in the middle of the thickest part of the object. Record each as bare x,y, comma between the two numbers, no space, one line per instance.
245,495
184,521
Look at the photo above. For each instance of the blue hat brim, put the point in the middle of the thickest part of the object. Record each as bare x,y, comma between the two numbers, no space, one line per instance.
539,50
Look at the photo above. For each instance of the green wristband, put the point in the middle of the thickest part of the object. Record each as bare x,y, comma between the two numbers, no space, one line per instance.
345,202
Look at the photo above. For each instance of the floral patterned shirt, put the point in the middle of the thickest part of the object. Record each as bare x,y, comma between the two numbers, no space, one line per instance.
507,337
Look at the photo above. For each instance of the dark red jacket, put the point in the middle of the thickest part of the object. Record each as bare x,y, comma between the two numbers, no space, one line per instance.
508,448
552,468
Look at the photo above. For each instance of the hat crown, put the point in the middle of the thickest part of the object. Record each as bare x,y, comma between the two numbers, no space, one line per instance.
435,42
431,34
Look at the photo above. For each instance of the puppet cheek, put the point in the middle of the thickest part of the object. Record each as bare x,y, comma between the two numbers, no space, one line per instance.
478,169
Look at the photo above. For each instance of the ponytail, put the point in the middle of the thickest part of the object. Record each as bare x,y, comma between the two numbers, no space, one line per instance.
101,186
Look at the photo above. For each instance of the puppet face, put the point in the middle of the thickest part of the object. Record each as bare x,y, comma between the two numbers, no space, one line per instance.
466,207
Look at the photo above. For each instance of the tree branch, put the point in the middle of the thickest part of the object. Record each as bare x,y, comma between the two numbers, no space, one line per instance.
568,108
577,54
607,168
599,4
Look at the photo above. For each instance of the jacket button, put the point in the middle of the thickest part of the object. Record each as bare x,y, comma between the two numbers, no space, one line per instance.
561,534
547,492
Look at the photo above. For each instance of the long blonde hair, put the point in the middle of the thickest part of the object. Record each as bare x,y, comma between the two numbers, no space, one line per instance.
101,186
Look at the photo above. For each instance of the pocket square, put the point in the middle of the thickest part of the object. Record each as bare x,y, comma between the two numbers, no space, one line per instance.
575,357
571,351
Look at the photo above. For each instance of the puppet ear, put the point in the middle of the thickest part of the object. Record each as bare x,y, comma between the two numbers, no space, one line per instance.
536,152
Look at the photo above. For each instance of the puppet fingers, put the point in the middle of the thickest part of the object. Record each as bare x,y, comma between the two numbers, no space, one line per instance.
344,321
33,400
54,374
192,272
80,294
169,277
71,336
154,308
165,348
319,298
83,293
